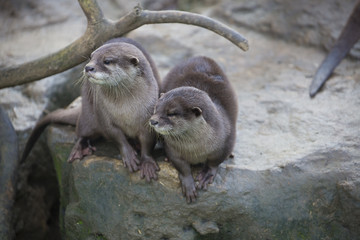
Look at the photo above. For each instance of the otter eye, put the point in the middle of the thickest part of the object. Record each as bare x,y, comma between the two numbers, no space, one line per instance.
172,114
134,60
107,61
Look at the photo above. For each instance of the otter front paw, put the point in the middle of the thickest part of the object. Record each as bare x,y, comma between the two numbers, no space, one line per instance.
206,177
188,188
131,161
148,169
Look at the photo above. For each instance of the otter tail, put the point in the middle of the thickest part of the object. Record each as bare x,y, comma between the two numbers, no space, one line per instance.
348,37
61,116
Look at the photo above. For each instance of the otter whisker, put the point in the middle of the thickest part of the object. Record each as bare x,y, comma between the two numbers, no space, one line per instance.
80,81
85,57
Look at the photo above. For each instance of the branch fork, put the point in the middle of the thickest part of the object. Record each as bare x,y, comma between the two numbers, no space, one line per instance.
101,29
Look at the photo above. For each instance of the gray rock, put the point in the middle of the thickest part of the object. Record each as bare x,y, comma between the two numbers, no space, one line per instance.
9,161
205,227
315,23
315,197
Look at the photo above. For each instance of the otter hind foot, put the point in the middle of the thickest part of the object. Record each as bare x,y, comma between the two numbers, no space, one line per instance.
81,149
206,177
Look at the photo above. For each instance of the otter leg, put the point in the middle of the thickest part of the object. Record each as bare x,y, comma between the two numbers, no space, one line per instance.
128,154
186,179
188,187
148,167
85,130
85,127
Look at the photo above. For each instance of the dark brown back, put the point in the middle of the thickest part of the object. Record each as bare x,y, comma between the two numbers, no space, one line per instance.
205,74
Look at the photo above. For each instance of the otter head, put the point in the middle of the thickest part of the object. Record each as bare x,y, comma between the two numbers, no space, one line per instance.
177,112
114,64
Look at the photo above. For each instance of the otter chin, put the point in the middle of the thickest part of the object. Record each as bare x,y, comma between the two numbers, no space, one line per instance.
97,81
163,130
197,118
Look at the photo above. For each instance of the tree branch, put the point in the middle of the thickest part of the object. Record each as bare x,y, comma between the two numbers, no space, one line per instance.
144,17
91,10
98,31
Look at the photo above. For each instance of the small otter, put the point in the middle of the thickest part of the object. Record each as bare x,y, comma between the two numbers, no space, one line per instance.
119,92
197,118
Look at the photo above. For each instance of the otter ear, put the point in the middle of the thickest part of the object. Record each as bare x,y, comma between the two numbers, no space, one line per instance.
197,111
134,60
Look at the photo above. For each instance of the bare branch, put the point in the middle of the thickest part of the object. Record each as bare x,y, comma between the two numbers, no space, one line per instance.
98,31
49,65
153,17
91,10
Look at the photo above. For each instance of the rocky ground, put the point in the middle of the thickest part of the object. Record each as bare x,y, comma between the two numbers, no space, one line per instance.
296,159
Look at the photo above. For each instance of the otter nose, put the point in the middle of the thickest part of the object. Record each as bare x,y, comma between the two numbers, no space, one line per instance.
153,122
89,69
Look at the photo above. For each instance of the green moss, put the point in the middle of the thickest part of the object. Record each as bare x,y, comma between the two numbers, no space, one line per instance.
60,153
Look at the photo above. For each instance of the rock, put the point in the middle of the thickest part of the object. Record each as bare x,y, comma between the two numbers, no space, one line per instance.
309,198
316,23
204,228
9,161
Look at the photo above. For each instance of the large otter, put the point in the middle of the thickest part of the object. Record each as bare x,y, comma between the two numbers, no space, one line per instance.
119,92
197,118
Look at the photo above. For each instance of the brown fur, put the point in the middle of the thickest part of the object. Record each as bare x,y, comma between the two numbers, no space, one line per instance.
119,92
197,118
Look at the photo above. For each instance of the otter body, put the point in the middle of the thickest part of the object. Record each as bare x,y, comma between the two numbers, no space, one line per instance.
119,92
197,118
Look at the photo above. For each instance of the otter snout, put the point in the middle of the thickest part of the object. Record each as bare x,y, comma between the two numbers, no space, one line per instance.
89,68
153,122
